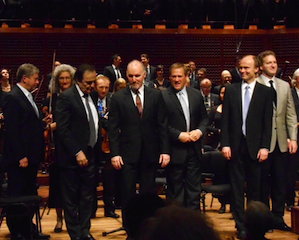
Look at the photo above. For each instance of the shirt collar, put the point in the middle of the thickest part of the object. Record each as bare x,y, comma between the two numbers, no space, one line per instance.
24,90
184,91
140,90
251,85
267,79
79,90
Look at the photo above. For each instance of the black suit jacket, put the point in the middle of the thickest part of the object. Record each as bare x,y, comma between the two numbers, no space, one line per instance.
214,100
235,75
72,127
152,73
129,134
177,123
110,73
296,101
23,129
258,122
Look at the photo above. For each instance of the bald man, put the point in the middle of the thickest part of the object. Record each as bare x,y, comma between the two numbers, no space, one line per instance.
138,136
210,99
226,78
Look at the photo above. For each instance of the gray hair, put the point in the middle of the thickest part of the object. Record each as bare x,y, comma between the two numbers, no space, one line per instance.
26,69
58,70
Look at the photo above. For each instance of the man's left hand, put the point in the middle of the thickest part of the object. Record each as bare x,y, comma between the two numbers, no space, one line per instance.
292,144
195,135
262,154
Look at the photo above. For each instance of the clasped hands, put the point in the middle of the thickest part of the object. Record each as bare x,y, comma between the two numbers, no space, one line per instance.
191,136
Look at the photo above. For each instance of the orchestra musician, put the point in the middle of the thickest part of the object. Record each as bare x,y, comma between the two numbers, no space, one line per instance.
103,99
63,78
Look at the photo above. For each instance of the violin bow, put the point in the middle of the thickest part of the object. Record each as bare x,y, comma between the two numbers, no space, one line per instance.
52,82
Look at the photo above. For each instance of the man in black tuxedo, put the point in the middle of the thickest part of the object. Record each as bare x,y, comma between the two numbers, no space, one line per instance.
194,80
77,128
137,129
187,122
24,144
151,71
103,100
114,72
246,136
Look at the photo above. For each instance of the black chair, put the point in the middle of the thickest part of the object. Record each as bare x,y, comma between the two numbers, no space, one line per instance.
160,181
27,205
215,176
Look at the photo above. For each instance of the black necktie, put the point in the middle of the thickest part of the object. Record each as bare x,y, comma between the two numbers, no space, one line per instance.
117,73
92,129
274,94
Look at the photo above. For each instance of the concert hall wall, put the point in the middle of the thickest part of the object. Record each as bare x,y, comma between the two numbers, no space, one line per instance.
212,49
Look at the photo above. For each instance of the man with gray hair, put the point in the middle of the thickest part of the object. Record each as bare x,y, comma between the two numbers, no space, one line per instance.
293,163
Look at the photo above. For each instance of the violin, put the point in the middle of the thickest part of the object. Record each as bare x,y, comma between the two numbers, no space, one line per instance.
49,140
105,142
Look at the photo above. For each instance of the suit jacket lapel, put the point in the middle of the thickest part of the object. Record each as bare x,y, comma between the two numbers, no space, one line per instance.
172,95
295,96
190,101
261,80
146,101
238,87
78,99
278,92
25,99
130,102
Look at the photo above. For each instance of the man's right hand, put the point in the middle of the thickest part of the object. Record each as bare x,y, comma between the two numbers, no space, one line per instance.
227,152
117,162
184,137
23,162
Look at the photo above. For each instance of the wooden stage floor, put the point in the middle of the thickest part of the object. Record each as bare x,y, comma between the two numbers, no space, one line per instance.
221,221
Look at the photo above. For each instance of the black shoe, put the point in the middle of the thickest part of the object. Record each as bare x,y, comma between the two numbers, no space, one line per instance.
18,237
88,237
58,227
283,227
241,235
222,209
111,214
38,236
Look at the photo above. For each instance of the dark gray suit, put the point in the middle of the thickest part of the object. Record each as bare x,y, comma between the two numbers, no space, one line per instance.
185,157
